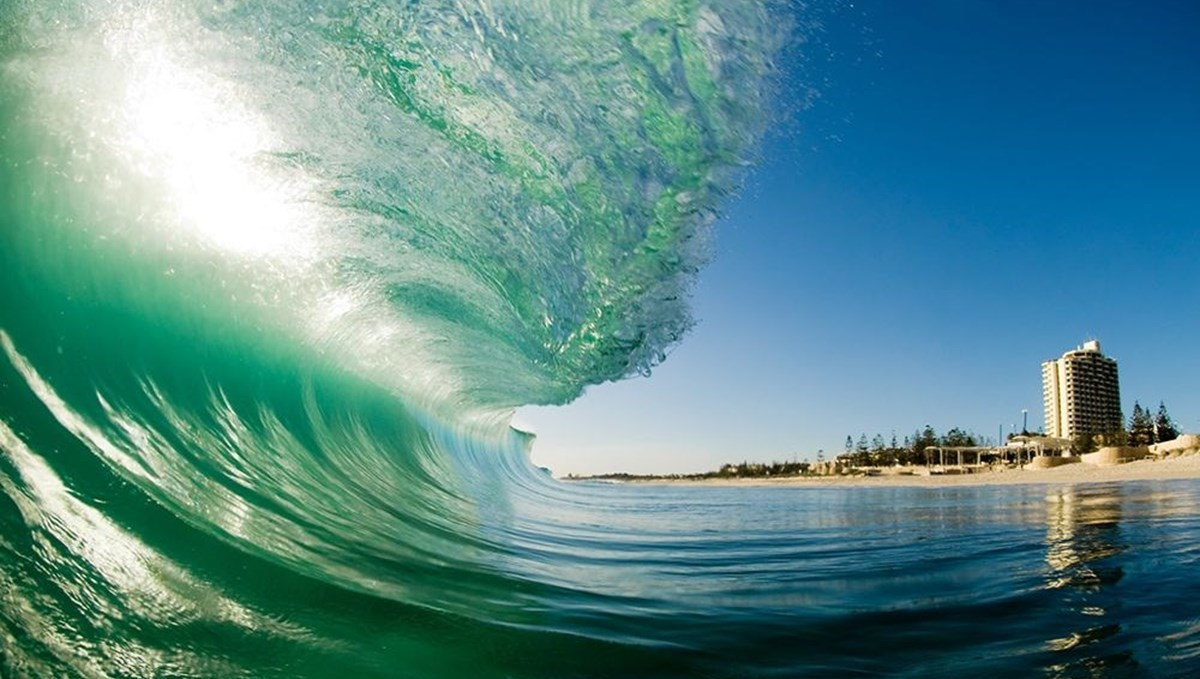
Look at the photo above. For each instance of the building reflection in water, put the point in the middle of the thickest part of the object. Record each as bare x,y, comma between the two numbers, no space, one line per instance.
1082,527
1083,545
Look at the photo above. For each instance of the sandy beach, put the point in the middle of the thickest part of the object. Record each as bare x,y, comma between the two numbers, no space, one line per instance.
1186,467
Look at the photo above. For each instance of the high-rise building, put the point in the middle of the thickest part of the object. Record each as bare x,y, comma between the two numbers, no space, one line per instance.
1081,393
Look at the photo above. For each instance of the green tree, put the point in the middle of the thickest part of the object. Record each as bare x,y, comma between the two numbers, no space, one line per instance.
958,438
1141,426
922,439
904,453
1083,443
1116,437
849,443
1164,428
862,454
878,450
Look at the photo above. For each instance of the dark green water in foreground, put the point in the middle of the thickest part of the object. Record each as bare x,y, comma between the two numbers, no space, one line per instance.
273,277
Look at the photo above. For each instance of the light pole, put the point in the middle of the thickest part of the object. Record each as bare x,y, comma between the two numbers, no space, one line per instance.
1024,420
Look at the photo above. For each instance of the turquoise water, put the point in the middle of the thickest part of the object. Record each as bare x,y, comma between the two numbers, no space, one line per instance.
273,277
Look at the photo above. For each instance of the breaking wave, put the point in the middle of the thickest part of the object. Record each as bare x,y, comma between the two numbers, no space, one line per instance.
275,276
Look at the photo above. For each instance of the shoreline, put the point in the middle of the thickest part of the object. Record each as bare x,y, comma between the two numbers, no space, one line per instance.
1176,468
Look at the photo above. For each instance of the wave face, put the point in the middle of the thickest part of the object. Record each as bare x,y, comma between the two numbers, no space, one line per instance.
275,276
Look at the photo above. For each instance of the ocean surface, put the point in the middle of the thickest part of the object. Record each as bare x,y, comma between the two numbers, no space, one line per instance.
274,276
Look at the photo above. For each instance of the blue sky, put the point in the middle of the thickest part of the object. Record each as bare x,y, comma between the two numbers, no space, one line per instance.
980,186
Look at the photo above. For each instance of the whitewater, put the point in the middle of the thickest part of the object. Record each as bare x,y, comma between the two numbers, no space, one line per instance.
273,278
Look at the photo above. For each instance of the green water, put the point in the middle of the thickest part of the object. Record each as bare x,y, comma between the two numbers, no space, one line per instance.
273,277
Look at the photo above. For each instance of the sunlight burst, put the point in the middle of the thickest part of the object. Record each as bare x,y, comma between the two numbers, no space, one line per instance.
196,138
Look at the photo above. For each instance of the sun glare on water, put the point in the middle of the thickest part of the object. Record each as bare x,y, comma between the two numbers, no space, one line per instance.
193,136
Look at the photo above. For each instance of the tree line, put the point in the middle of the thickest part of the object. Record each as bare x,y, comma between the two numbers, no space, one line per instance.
1144,429
877,452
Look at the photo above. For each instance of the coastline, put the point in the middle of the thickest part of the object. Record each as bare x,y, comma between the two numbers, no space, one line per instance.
1185,467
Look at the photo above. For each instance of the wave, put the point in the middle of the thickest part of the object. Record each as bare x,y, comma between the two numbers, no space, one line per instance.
275,276
479,204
